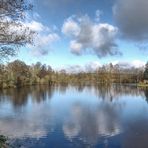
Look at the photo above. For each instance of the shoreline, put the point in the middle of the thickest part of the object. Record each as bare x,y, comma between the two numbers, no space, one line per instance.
142,85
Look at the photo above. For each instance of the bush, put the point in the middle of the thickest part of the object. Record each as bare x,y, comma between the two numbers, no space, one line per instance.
3,140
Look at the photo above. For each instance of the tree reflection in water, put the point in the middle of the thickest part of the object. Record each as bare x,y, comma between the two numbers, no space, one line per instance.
146,94
86,115
20,96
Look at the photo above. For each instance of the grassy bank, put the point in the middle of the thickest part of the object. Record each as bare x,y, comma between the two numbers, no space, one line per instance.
142,85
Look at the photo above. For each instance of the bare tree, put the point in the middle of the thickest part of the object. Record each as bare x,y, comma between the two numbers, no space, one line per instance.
13,33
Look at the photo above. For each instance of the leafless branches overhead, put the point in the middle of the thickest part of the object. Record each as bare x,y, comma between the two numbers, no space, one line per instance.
13,33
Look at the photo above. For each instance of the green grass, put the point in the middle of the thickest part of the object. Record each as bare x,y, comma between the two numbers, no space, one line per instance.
142,85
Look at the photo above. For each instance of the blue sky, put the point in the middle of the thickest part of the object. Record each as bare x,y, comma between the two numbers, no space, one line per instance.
80,32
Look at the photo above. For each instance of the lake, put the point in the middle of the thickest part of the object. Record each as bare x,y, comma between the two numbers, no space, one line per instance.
75,116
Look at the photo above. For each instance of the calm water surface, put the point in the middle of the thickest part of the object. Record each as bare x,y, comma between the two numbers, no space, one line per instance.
75,117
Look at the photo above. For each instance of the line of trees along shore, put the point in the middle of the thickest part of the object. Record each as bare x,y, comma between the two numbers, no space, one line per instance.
18,74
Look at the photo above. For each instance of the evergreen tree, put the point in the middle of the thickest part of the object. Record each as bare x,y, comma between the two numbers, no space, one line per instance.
146,72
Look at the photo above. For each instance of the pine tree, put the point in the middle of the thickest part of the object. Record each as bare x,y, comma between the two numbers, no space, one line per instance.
146,72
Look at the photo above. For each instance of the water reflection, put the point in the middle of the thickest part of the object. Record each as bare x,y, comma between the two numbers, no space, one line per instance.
92,116
116,91
20,96
146,94
136,133
90,124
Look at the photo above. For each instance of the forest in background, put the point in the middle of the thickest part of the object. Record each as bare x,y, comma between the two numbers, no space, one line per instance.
18,74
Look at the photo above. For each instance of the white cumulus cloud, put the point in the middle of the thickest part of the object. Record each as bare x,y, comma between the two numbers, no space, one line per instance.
43,40
71,28
76,47
131,18
36,26
92,66
88,35
129,64
138,63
